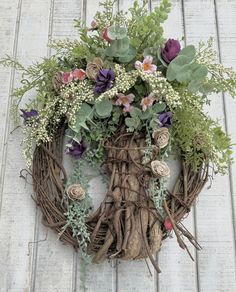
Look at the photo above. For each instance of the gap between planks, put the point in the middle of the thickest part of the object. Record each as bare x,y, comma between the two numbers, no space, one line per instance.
7,120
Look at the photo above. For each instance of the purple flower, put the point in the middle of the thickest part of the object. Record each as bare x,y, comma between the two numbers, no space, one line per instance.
27,115
171,50
165,119
76,149
104,80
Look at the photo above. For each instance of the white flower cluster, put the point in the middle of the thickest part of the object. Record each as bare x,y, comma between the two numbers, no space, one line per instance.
206,54
161,88
73,96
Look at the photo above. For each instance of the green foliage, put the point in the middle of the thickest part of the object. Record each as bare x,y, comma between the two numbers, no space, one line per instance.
198,138
95,138
78,210
138,117
76,216
133,123
84,115
120,46
105,18
116,32
158,192
144,28
37,76
220,79
189,52
185,70
103,108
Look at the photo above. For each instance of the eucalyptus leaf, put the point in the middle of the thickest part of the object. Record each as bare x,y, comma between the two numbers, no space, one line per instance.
175,66
200,72
147,114
77,137
159,107
184,74
84,114
129,55
171,72
116,32
153,123
188,51
181,60
132,123
135,112
118,48
103,108
149,51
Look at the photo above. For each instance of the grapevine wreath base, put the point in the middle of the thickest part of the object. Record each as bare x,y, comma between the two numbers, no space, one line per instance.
126,225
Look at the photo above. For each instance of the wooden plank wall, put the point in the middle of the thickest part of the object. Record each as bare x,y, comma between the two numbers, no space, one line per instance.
31,257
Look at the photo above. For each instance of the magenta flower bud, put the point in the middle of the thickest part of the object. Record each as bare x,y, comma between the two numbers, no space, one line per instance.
171,50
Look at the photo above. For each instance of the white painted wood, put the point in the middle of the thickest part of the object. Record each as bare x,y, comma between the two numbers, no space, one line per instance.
8,16
227,39
216,262
17,226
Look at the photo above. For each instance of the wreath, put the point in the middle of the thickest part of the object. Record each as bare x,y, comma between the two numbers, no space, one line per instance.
122,99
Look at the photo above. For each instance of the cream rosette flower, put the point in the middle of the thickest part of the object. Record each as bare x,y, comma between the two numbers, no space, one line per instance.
160,169
76,192
93,68
161,137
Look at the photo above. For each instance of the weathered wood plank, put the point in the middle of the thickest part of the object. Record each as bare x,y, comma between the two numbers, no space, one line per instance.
227,40
18,256
214,220
178,270
55,262
65,12
9,13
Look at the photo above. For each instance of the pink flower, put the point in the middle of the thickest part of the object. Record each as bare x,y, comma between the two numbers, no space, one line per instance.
94,24
79,74
105,35
146,65
67,77
168,224
125,100
147,101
